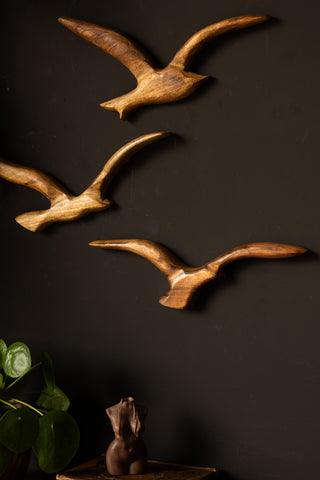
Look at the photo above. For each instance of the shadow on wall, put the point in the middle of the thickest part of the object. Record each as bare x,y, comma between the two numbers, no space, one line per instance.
226,476
192,444
95,394
189,441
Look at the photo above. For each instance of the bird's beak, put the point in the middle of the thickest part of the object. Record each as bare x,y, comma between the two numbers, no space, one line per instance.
106,202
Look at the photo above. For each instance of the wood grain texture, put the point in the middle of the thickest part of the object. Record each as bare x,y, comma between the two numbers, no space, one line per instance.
65,206
155,85
185,281
96,470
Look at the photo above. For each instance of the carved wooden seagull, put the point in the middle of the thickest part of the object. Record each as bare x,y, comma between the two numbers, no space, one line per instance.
64,205
184,280
155,85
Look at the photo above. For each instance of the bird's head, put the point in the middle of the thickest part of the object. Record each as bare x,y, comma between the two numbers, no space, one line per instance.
97,204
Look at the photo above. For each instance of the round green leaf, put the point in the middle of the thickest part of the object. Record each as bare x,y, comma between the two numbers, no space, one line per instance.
57,442
57,401
3,349
19,429
47,370
3,461
17,360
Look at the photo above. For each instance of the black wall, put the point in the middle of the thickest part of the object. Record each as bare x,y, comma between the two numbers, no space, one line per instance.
234,383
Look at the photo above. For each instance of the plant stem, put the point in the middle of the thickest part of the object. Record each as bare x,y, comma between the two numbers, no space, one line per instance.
27,405
4,382
8,404
19,378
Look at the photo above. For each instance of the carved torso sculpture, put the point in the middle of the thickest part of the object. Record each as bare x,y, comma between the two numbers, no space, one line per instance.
127,453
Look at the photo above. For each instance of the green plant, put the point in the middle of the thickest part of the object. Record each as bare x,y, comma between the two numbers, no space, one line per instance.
44,426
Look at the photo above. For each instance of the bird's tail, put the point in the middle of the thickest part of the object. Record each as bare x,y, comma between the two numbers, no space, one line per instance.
124,105
178,299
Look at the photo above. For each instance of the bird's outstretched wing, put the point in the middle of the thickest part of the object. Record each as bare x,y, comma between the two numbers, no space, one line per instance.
187,52
32,178
160,256
258,250
114,43
117,160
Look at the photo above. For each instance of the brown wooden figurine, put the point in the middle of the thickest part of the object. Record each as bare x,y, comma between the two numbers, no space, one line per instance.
127,453
184,280
155,85
64,205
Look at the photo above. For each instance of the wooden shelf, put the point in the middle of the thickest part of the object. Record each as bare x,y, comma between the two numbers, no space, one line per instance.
37,475
96,470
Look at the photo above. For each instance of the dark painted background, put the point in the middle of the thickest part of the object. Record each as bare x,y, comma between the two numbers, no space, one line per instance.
234,384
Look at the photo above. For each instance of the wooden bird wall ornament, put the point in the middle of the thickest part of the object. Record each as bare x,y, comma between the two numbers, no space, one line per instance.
185,281
155,85
65,206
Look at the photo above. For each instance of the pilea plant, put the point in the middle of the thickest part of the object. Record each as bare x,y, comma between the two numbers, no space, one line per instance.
45,426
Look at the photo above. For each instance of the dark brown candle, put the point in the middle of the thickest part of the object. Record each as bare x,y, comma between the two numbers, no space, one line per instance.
127,453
